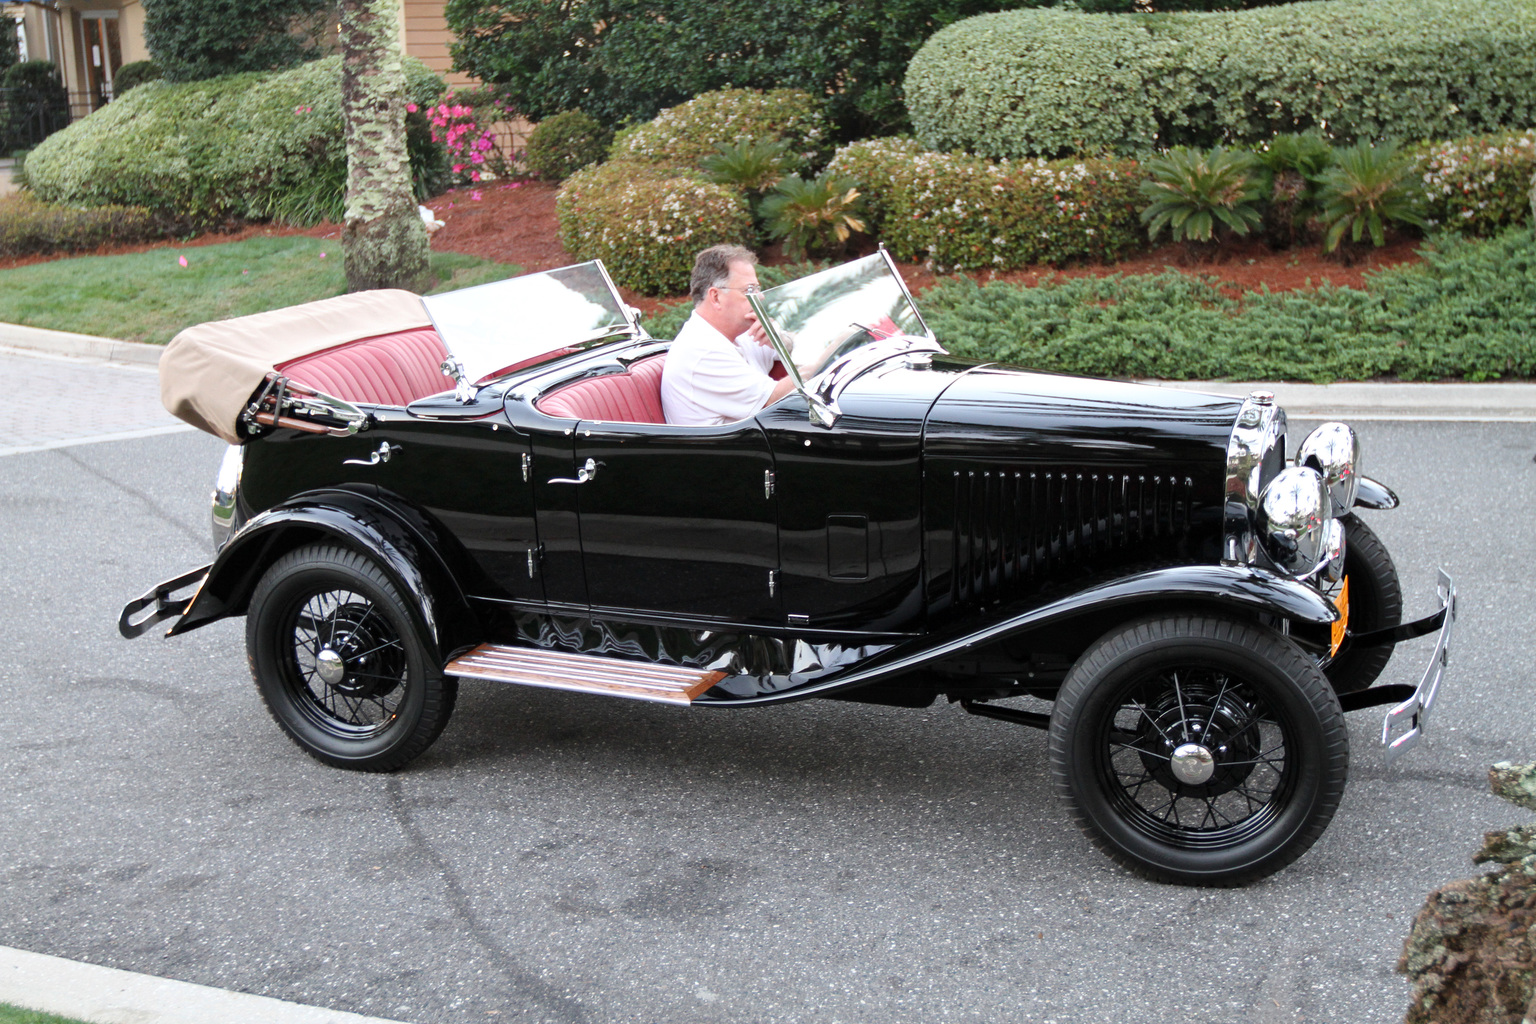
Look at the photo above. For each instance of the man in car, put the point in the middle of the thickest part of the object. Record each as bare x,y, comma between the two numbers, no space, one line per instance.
717,370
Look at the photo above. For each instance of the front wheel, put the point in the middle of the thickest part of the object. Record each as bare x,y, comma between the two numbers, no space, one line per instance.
341,663
1199,750
1375,602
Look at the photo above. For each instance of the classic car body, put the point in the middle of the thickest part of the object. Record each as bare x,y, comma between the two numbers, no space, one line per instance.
482,485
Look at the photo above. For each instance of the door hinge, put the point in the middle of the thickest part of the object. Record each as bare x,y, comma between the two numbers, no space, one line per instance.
535,558
773,582
767,483
527,467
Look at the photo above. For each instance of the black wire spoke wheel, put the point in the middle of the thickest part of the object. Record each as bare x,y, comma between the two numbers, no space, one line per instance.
350,665
342,663
1199,750
1195,757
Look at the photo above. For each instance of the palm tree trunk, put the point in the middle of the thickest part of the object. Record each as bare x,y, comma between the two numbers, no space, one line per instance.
385,243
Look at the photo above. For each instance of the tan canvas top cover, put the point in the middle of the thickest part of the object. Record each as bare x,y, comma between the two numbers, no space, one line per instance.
209,372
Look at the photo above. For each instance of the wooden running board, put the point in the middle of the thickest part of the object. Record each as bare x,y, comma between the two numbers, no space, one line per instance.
584,673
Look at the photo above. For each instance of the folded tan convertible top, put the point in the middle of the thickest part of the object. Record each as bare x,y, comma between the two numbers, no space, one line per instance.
209,372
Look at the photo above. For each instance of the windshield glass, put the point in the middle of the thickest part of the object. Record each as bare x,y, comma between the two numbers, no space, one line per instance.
523,321
848,306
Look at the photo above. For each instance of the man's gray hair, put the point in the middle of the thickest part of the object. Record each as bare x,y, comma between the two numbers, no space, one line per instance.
712,267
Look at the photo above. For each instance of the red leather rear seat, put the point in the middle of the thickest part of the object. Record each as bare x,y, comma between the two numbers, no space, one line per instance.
389,369
630,397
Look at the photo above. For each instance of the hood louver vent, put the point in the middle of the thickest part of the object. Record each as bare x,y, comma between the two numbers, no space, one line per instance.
1012,526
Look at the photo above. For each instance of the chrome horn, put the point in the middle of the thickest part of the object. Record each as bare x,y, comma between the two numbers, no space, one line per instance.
1334,451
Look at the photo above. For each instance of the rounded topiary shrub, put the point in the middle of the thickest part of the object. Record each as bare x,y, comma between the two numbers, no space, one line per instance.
134,74
879,167
1047,82
683,135
253,145
968,213
647,223
562,145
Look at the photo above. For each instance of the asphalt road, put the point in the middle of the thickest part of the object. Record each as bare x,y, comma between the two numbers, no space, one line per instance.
559,857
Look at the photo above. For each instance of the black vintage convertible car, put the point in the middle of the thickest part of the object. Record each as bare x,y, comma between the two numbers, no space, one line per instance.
481,485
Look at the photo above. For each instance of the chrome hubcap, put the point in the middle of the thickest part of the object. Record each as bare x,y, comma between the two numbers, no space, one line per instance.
1193,764
330,666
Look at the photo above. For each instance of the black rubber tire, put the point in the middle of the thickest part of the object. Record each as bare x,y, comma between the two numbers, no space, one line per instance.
1375,602
1149,683
392,701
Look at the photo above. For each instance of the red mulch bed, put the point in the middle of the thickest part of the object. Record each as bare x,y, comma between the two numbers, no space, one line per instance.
515,223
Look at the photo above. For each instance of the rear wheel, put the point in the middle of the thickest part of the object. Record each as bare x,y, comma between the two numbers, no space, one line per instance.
1199,750
341,663
1375,602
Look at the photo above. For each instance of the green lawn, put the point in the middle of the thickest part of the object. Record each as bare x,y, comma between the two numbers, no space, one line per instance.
149,296
16,1015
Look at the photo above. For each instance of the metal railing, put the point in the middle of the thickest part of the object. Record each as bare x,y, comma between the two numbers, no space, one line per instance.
28,116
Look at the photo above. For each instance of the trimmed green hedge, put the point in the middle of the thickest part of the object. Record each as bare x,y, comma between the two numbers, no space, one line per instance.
647,223
1469,311
241,146
967,213
683,135
28,226
1049,82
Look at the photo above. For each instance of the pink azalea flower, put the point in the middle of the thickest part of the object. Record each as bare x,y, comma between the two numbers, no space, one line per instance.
182,260
475,196
322,255
411,107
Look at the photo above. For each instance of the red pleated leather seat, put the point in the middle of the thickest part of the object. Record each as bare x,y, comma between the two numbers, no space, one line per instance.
630,397
389,369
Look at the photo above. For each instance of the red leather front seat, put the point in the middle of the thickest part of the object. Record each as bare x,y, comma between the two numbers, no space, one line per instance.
633,396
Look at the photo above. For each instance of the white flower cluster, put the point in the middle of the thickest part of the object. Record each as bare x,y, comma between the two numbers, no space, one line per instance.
1462,179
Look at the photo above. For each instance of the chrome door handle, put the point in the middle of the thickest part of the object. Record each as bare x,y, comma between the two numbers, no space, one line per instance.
382,454
586,472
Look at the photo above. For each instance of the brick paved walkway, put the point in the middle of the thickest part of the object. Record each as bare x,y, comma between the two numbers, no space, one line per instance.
52,402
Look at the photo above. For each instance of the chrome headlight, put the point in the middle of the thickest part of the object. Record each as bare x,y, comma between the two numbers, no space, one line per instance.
1334,451
226,489
1296,522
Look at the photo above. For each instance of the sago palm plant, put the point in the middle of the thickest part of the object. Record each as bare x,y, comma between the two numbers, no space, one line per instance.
1294,162
812,216
1194,192
1367,188
752,166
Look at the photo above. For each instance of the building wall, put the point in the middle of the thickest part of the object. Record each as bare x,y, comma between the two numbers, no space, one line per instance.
426,35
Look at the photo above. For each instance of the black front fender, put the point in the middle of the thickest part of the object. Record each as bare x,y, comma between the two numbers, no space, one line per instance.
1242,589
363,524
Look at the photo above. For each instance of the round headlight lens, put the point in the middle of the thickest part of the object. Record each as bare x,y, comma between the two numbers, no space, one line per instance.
1295,510
1334,451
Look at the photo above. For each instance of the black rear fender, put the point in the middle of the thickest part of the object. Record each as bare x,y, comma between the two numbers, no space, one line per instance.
366,525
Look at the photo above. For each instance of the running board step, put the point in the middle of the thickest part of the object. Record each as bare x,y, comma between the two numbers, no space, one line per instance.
584,673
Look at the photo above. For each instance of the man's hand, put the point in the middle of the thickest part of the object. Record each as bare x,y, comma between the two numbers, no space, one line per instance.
756,332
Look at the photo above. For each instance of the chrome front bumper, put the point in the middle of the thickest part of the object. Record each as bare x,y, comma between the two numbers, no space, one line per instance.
1403,726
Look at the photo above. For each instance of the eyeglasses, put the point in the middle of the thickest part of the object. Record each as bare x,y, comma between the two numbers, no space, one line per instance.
751,289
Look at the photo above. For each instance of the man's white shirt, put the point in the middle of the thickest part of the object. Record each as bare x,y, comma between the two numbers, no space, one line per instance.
709,379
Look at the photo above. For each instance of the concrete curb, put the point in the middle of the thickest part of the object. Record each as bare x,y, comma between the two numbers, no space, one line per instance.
1456,402
105,995
79,346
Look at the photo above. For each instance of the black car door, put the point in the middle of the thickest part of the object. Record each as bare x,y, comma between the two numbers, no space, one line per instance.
678,521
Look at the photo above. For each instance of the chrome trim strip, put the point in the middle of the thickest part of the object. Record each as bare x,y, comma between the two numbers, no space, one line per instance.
1413,713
